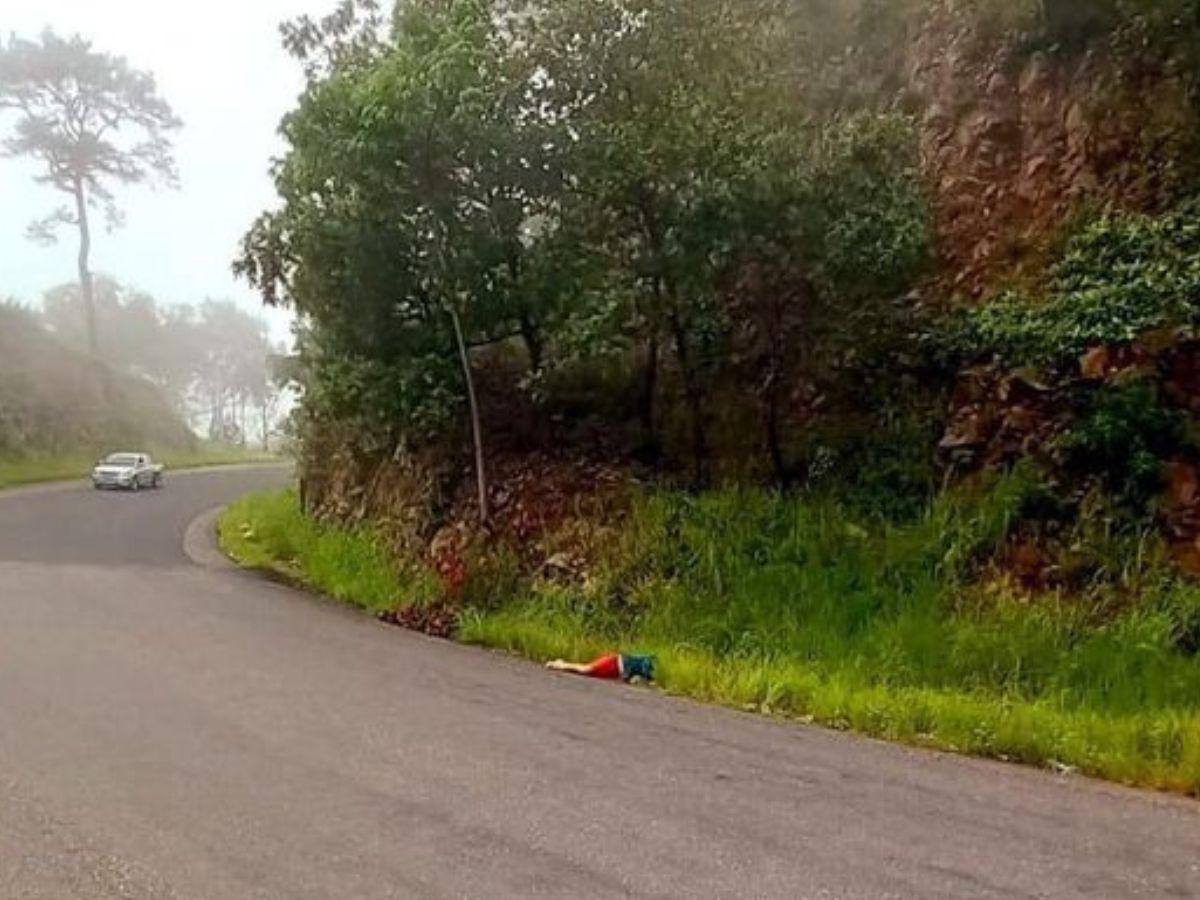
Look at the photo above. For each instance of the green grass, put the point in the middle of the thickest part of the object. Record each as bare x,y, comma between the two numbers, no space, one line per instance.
268,532
794,608
33,469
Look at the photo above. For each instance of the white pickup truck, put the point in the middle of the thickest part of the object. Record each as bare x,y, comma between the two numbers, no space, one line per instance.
131,471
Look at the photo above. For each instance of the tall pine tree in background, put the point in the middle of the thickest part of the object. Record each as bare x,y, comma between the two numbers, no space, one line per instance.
91,123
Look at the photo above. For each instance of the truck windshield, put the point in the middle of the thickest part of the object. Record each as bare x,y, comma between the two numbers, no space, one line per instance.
121,459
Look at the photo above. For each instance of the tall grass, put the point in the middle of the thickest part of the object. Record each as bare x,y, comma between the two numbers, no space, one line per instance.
794,607
268,532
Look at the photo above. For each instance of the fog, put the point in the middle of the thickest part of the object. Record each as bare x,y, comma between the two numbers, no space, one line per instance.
221,67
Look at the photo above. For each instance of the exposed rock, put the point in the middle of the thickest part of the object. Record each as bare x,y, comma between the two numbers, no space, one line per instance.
1015,143
997,417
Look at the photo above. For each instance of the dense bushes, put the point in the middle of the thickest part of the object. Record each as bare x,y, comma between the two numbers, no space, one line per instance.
620,181
1123,435
698,209
1120,278
1110,335
705,224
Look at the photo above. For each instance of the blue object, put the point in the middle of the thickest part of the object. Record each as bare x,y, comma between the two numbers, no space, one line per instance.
633,666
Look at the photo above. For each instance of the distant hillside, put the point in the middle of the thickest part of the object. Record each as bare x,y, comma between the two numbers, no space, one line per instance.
56,400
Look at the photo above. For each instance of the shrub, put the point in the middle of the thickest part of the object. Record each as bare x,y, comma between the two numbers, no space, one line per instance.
1122,439
882,471
1122,276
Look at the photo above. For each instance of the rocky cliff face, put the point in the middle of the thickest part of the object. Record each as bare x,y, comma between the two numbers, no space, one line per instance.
1018,139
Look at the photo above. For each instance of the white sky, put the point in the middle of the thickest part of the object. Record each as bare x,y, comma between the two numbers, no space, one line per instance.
220,65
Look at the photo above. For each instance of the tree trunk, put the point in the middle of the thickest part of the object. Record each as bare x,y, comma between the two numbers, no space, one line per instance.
529,328
533,342
476,425
214,417
695,401
774,438
649,395
86,288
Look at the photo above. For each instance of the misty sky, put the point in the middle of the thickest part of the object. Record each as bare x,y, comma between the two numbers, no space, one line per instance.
220,65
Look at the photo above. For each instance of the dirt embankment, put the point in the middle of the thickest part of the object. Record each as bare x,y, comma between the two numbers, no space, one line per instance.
1017,139
550,510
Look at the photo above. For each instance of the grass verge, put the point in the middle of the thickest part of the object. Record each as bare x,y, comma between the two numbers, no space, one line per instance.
267,532
36,469
791,608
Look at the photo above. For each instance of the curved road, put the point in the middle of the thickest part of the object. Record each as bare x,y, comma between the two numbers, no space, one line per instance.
174,729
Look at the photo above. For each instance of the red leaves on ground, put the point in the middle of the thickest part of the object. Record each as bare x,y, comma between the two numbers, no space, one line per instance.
438,620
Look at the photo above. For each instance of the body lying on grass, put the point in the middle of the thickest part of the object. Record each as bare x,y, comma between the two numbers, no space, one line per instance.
797,608
610,667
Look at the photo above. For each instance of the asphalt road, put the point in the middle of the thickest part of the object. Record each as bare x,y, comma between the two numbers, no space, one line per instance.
176,729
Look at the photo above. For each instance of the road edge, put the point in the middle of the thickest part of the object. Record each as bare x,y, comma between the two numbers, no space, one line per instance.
202,545
55,487
200,542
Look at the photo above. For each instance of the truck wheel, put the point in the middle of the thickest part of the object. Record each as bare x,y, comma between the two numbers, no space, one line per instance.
157,482
136,484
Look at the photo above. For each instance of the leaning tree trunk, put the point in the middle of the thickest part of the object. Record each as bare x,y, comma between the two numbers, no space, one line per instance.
476,425
86,288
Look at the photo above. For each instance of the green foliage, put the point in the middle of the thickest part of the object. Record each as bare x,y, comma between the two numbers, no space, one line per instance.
1072,22
883,471
594,182
1122,438
1179,604
412,193
1069,26
1124,275
268,531
874,234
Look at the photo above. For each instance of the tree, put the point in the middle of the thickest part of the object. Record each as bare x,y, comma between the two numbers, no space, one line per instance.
128,318
214,358
158,343
669,103
352,32
234,367
633,186
91,123
409,188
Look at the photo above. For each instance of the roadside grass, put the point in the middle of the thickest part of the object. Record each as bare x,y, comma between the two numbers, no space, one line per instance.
267,532
34,468
791,607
